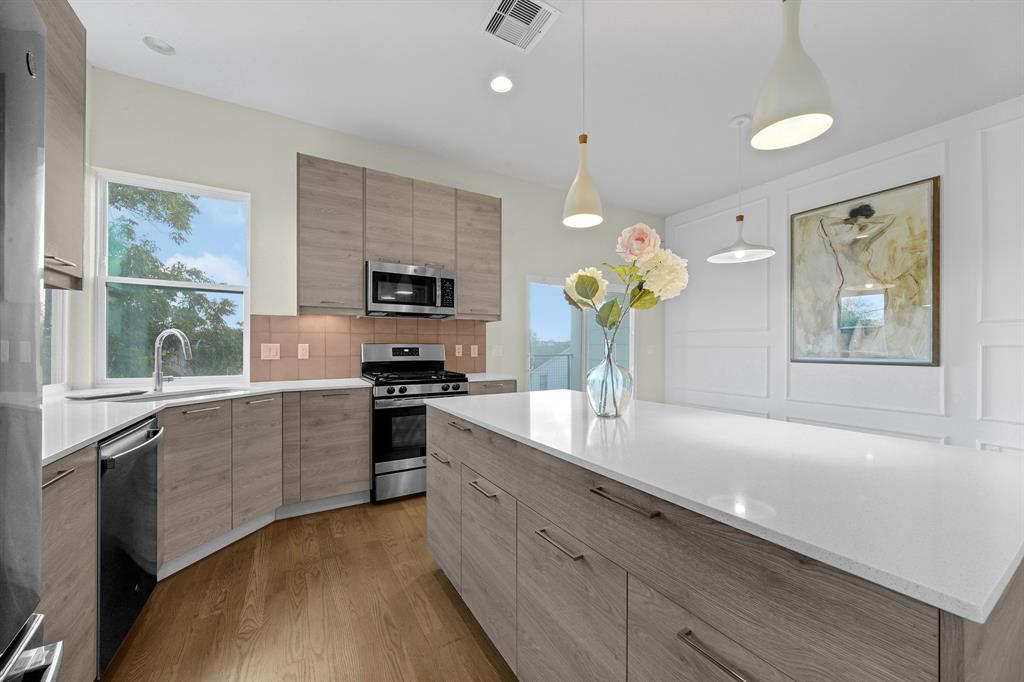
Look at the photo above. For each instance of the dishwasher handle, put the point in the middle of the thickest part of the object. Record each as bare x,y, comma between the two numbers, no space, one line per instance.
110,461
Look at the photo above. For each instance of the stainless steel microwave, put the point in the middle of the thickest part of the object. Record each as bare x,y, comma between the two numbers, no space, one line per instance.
395,289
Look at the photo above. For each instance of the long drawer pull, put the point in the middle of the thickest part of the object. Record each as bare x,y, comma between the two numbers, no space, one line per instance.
257,402
460,427
543,533
688,638
334,395
439,458
601,492
486,493
60,261
63,473
330,302
201,409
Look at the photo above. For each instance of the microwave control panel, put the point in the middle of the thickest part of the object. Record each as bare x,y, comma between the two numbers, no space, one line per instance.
447,293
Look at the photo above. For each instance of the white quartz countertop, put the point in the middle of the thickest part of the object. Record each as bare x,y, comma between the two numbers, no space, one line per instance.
69,425
490,376
941,524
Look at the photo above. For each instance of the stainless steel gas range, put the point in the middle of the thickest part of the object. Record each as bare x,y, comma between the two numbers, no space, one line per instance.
403,375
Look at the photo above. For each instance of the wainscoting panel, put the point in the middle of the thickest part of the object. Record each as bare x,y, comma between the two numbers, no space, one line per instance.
1001,286
1001,384
738,371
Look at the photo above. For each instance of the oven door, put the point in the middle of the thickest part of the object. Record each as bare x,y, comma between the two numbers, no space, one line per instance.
399,435
396,289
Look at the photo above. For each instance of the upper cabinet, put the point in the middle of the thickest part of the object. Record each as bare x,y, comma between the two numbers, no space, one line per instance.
478,255
330,237
388,217
64,230
433,225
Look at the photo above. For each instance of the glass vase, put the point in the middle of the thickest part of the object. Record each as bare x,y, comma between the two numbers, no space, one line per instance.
609,385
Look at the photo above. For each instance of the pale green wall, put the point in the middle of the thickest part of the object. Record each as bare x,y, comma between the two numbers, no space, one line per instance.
141,127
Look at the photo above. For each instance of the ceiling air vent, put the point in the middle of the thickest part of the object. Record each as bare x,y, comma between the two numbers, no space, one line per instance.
521,22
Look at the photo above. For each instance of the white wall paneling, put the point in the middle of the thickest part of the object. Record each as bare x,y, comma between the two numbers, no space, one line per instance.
975,398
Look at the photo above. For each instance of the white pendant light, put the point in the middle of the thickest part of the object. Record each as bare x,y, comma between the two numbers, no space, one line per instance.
583,203
794,105
740,251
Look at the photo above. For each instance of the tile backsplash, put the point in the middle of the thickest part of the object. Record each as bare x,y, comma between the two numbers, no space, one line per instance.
333,343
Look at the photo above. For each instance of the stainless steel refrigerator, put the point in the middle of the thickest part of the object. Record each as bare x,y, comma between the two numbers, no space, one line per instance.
22,41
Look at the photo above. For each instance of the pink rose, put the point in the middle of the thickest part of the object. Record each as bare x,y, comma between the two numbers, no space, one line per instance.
638,243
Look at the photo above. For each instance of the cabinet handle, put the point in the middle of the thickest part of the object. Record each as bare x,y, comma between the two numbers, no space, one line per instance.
334,395
330,302
440,459
476,485
60,261
201,409
601,492
460,427
63,473
257,402
543,533
688,638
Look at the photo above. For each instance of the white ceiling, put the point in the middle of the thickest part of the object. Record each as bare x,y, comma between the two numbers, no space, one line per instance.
664,77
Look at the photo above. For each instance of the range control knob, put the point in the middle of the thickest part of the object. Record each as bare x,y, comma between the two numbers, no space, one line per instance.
455,387
445,387
402,389
391,389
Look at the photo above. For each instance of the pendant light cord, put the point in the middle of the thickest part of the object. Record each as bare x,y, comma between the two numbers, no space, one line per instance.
583,64
739,169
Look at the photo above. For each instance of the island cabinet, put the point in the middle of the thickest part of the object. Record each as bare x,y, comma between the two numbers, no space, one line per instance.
489,387
444,513
194,465
256,457
478,256
705,600
69,561
330,237
334,443
389,236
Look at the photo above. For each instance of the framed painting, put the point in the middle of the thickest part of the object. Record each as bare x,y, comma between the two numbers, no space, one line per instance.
864,279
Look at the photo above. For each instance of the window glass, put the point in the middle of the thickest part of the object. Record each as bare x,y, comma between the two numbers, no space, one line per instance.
555,339
47,360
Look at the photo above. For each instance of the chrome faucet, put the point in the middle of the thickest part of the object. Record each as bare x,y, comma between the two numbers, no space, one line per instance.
158,374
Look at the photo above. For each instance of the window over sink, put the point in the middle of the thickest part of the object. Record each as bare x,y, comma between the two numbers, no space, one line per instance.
171,254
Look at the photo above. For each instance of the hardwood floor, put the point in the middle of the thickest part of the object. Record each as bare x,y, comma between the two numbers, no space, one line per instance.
350,594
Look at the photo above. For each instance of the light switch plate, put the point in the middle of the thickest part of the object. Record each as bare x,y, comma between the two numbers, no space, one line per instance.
458,350
270,351
303,351
474,351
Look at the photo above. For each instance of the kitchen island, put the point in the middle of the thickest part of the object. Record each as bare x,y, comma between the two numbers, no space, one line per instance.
711,545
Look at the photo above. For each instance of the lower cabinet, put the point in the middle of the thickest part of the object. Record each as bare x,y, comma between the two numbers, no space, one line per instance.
256,456
194,500
69,561
334,443
571,614
444,513
489,560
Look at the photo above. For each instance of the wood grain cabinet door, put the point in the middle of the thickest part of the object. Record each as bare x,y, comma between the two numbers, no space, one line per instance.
571,617
478,254
444,512
64,240
667,642
334,443
69,561
256,449
194,501
489,560
433,225
330,236
489,387
388,217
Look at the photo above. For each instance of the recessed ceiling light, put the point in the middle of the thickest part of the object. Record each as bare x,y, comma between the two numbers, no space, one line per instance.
159,46
501,84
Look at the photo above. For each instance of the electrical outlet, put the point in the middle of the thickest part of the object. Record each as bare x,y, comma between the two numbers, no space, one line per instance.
458,350
270,351
474,351
303,351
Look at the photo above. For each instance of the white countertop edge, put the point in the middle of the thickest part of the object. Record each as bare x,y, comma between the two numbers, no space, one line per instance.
972,611
490,376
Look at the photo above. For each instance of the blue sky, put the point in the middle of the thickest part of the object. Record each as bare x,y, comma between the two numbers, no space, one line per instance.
550,315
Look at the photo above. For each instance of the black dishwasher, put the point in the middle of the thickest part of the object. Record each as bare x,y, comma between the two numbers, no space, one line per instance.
127,551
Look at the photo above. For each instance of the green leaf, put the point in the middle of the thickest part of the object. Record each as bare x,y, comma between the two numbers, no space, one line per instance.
625,272
609,314
587,286
570,300
642,299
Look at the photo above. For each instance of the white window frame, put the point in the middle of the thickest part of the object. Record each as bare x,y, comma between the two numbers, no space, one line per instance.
560,283
59,365
105,176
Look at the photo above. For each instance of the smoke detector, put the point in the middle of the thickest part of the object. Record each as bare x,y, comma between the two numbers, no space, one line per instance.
520,23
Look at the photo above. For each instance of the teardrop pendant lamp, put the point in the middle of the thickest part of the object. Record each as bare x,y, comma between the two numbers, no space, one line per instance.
794,105
740,251
583,203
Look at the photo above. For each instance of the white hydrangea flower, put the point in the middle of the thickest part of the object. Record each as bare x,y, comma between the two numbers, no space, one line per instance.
665,274
602,291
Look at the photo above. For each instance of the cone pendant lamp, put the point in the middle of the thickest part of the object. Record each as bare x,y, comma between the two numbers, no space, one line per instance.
583,203
794,105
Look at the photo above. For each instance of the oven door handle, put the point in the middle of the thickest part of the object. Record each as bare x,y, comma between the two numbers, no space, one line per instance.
395,403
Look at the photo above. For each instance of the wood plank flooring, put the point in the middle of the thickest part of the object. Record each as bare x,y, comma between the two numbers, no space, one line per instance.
349,594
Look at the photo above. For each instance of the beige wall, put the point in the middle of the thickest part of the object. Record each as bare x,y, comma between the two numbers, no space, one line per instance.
141,127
